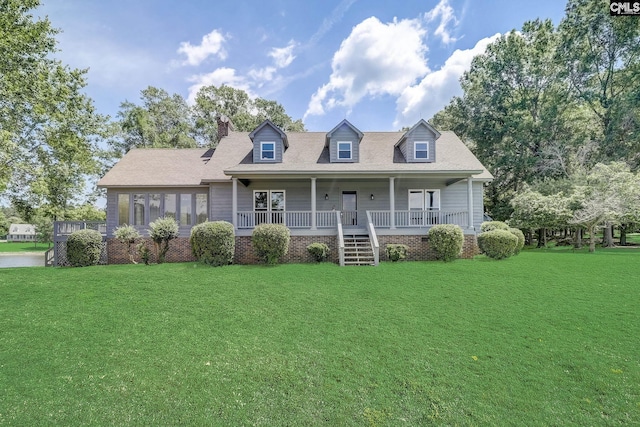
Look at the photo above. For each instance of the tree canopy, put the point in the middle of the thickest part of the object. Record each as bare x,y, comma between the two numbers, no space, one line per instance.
546,103
162,120
48,126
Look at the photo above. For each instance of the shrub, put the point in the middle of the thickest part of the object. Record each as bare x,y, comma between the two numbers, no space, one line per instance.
127,235
493,225
446,240
497,244
84,248
213,243
144,252
161,231
520,235
319,251
396,252
270,242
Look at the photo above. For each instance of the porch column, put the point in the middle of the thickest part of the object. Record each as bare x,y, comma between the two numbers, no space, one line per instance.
470,200
313,203
234,203
392,202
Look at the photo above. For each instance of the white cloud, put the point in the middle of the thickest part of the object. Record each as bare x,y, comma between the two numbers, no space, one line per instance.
212,44
376,59
437,88
283,56
219,77
444,12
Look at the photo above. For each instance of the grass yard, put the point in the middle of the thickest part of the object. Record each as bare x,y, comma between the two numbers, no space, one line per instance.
546,338
23,247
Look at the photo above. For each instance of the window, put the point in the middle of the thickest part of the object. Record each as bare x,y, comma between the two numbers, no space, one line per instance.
344,150
201,208
170,207
143,208
267,150
424,200
269,206
123,209
185,209
138,209
154,207
421,150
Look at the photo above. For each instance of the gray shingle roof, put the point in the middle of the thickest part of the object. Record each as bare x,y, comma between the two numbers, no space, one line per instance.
306,155
378,154
158,167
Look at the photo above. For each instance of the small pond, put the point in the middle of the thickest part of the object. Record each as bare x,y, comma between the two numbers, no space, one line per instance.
21,260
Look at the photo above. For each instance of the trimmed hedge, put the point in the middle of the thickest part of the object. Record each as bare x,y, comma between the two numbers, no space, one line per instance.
213,243
396,252
161,231
270,242
127,235
493,225
497,244
520,235
319,251
446,241
84,248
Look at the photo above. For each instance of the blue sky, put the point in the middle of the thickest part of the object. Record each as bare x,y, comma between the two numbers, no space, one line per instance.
381,64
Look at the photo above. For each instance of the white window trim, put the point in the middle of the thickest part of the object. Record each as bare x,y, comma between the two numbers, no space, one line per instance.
350,150
262,151
284,193
415,150
425,194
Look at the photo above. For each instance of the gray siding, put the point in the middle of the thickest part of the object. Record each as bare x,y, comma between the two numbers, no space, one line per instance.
267,133
220,201
344,133
421,133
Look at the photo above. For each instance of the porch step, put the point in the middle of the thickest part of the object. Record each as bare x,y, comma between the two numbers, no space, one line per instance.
357,250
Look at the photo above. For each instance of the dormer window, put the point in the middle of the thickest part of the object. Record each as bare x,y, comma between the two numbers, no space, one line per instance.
421,150
267,150
344,150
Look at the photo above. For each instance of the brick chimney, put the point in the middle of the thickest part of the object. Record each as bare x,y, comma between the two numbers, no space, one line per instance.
224,126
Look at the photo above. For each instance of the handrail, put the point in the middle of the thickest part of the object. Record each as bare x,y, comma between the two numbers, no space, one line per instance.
49,257
340,239
374,240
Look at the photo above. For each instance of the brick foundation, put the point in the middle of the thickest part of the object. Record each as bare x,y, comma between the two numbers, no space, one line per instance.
419,249
180,250
297,249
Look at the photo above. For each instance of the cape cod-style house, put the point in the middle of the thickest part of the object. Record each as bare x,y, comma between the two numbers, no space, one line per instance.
356,191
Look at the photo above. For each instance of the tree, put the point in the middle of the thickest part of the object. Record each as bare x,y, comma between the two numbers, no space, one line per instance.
44,230
514,107
535,211
601,54
608,194
245,113
48,127
162,121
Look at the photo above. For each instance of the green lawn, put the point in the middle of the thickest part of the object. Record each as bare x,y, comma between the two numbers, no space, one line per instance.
546,338
24,247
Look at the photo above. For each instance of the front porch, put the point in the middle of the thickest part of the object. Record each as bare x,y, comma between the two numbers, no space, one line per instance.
324,220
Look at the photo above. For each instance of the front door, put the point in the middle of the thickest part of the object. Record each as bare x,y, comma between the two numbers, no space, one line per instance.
349,208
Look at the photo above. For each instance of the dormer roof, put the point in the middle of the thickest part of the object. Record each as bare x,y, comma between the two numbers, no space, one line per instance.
345,122
268,122
422,122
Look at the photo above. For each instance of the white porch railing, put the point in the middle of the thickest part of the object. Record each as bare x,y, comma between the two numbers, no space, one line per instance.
64,228
419,219
328,219
292,219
